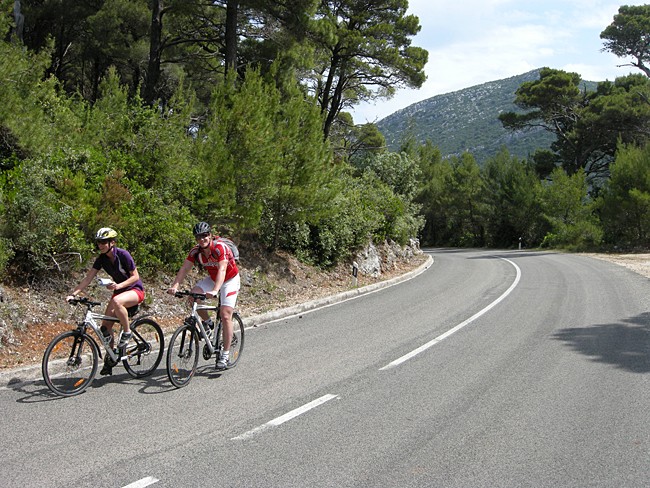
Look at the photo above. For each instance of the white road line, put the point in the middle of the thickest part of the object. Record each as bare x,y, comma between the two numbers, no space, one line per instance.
285,418
149,480
435,341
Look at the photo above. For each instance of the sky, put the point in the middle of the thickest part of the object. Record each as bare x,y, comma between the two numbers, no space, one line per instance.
471,42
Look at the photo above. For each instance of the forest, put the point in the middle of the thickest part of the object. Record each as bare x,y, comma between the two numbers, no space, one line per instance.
149,116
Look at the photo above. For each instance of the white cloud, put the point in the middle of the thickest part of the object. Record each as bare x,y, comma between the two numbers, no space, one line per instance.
476,41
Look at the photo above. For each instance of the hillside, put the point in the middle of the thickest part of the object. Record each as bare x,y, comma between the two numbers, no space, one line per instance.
467,120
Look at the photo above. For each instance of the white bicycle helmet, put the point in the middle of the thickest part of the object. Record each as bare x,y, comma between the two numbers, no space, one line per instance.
105,233
201,228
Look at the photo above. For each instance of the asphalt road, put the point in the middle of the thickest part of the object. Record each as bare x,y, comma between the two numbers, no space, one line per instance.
489,369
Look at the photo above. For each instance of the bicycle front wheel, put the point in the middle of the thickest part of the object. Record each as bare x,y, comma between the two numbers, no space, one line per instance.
70,363
183,355
146,349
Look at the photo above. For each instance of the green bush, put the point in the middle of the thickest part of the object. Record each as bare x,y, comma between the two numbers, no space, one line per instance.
582,236
363,209
39,226
625,201
6,254
157,234
569,211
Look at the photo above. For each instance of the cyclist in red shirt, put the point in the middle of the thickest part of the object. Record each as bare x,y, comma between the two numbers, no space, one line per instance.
223,280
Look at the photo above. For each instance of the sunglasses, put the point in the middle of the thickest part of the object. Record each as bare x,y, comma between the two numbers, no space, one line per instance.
103,241
201,236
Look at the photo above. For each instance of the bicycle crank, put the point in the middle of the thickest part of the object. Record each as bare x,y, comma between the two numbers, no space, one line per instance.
109,361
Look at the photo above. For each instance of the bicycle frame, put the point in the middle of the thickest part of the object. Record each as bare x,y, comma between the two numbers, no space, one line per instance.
91,319
212,346
184,350
71,358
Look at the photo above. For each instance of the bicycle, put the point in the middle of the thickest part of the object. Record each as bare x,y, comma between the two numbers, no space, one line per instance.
183,350
70,361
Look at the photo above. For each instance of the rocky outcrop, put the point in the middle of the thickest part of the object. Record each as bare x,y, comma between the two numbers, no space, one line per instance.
373,259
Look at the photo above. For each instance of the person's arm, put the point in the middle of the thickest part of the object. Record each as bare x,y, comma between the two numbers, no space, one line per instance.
92,272
135,276
180,276
221,276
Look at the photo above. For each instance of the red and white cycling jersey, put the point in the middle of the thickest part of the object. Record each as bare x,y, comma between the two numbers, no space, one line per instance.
218,252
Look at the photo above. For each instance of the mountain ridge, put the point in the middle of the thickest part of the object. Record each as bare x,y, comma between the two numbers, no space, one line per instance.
467,120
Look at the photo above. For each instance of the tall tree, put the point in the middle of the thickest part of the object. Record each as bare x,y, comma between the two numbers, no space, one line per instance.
355,142
158,10
434,176
65,24
232,8
512,196
553,103
625,201
209,39
587,125
567,208
364,52
629,36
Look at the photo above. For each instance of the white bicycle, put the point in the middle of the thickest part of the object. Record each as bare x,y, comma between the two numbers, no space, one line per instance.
71,359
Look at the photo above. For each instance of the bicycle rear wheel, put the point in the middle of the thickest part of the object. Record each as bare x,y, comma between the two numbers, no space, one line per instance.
237,342
146,349
70,363
183,355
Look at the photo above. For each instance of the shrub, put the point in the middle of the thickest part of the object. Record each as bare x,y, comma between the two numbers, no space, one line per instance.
39,226
157,234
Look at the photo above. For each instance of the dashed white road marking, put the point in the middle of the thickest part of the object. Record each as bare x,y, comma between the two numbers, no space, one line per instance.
149,480
285,418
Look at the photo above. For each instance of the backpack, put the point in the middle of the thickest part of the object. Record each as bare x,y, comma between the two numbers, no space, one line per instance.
233,248
230,244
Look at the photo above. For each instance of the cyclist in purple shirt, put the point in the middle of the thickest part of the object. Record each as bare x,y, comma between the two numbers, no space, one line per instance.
127,288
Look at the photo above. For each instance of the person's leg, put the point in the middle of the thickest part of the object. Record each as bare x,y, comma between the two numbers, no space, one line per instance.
229,293
203,286
226,321
118,306
107,330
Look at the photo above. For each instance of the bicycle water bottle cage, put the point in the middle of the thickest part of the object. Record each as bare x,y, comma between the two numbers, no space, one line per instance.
206,352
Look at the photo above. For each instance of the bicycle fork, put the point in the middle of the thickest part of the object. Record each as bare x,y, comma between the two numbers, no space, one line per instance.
74,360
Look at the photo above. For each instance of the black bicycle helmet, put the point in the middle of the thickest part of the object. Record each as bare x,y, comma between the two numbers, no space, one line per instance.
201,228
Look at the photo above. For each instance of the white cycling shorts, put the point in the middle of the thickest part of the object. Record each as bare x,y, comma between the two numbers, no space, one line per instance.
229,290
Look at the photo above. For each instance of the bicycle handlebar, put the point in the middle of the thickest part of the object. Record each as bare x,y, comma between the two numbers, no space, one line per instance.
84,301
187,293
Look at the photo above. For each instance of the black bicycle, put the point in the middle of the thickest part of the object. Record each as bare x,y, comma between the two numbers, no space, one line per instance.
183,350
71,359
